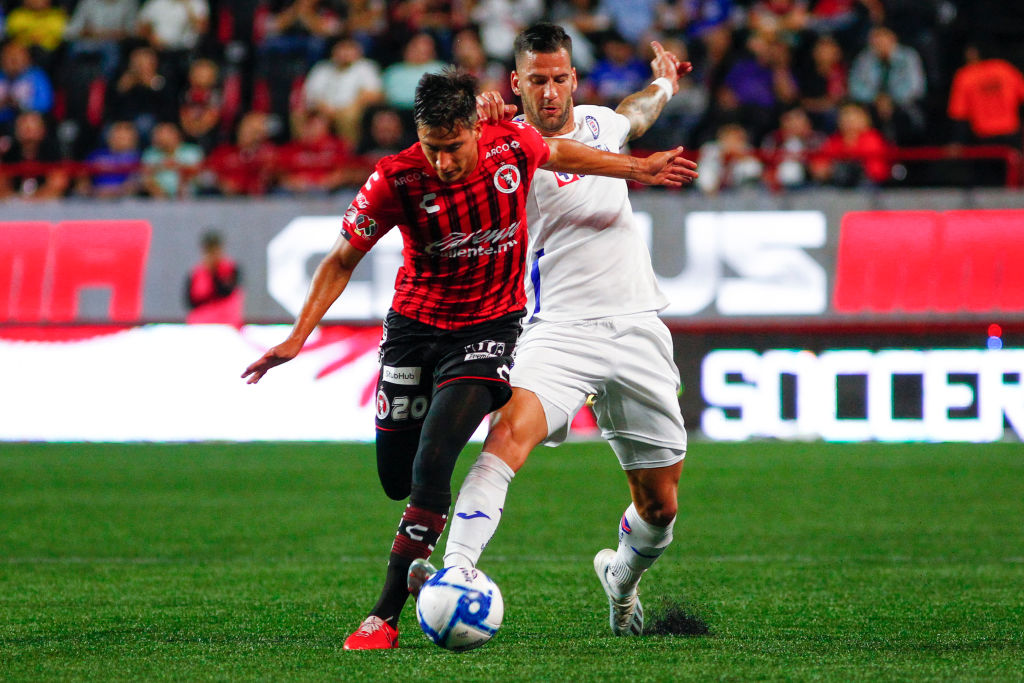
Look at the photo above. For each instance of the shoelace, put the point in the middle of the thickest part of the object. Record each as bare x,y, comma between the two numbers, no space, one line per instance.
375,625
629,604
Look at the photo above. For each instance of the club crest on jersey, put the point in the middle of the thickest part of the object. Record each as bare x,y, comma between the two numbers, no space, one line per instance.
365,226
591,122
507,179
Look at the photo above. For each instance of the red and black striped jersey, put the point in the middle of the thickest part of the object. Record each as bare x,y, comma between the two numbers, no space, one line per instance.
465,243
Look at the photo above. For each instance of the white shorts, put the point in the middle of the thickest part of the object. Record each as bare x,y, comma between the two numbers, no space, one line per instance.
626,362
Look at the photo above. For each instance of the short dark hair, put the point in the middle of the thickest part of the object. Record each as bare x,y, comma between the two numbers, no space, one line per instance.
211,239
542,37
445,100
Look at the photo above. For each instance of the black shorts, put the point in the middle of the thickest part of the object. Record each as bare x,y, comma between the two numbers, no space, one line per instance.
417,359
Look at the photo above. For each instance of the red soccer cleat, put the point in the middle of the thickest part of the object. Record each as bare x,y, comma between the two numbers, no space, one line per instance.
373,634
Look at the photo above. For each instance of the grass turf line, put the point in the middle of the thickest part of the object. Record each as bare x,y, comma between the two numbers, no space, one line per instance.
241,562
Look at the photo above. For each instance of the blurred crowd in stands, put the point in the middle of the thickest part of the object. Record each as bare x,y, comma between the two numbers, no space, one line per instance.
177,98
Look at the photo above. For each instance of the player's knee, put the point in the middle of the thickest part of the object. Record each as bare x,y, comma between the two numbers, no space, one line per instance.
395,488
505,440
658,510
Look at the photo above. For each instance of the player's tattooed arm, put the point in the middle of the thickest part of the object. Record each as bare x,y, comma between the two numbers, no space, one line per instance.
644,107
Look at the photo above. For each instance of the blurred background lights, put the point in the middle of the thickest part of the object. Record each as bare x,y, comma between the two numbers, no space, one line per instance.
995,333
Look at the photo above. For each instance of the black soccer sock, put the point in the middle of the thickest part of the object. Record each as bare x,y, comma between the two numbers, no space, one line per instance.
417,533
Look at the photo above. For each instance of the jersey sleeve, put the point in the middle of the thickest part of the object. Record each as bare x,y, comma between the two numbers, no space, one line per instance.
371,214
537,150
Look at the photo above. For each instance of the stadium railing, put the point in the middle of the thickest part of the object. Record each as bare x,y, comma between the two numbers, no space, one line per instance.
1011,158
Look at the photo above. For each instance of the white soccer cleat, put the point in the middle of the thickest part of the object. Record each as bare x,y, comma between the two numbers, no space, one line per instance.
625,613
420,572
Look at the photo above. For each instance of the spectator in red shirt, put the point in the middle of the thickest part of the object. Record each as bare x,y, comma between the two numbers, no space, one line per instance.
848,20
213,294
247,167
318,162
985,101
855,154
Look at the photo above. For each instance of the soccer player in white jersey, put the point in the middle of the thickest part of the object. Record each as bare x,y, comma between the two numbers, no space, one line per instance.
592,329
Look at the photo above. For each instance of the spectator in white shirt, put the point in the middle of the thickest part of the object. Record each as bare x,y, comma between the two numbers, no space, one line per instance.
174,24
342,87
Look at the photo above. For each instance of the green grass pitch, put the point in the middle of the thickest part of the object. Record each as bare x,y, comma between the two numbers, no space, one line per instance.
253,562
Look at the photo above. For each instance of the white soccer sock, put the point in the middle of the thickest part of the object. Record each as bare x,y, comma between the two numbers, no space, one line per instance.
477,510
640,545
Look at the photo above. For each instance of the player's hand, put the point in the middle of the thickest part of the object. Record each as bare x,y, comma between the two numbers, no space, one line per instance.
282,353
667,65
491,107
670,169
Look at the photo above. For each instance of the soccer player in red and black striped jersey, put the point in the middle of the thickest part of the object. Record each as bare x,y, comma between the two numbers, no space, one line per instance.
458,197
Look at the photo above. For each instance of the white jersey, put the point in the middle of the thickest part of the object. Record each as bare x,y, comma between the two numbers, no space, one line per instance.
587,258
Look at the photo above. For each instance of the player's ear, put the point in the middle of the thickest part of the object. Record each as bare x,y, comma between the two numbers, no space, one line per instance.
575,82
514,77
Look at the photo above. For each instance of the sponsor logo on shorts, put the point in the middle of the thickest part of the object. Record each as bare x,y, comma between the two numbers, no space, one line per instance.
409,375
485,349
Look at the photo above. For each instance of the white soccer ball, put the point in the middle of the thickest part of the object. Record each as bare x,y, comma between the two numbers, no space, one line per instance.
459,608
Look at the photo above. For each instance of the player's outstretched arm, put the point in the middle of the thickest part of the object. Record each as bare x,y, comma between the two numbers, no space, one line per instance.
329,281
669,168
643,108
